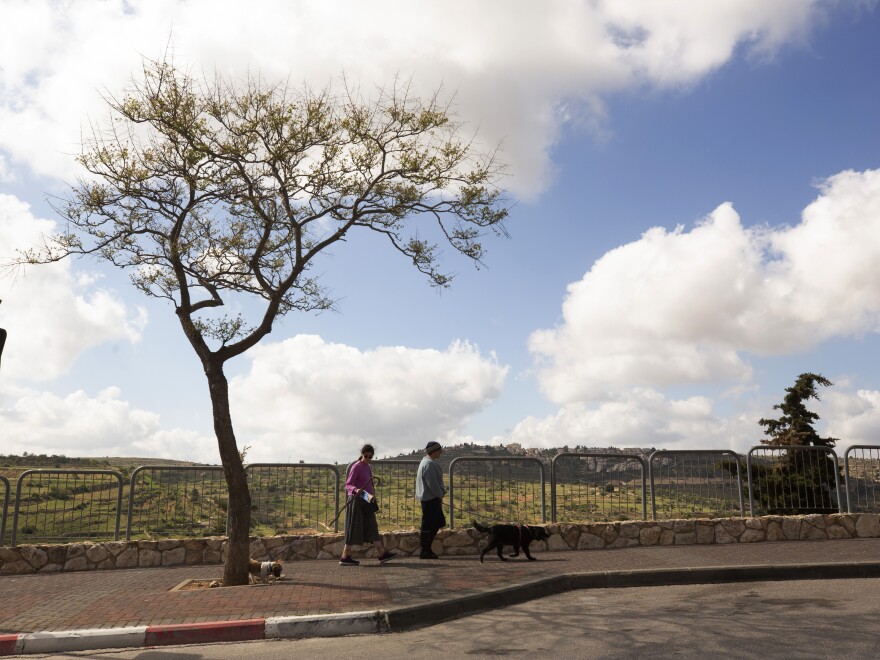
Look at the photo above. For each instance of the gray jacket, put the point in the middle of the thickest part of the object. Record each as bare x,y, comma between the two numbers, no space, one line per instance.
429,480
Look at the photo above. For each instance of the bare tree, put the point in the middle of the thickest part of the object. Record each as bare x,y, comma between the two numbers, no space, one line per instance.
207,189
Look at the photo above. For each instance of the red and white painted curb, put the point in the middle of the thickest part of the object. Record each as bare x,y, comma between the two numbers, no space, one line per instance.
279,627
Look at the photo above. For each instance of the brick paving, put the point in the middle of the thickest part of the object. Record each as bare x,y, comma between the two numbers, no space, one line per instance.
134,597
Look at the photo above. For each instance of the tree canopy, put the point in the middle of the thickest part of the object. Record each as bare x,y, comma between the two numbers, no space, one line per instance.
795,425
207,189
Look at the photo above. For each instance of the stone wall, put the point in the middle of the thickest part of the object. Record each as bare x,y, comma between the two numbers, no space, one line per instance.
589,536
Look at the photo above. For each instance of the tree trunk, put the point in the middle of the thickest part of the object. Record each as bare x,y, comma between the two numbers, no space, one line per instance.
235,570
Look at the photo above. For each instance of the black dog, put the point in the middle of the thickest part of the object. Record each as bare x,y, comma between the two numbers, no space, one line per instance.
519,536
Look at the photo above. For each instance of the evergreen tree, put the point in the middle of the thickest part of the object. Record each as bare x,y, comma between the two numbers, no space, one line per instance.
802,480
795,425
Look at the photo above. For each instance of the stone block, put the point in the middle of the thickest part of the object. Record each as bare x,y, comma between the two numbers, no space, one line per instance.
752,535
685,538
755,523
847,521
621,542
210,556
97,553
610,533
571,533
174,557
57,554
679,526
722,535
774,531
733,526
557,542
303,548
457,540
257,551
19,567
589,541
630,530
215,543
168,544
837,532
408,544
333,549
149,558
193,555
667,537
276,541
10,554
106,564
127,558
51,568
868,525
34,556
705,533
650,535
810,532
75,550
116,547
791,528
76,564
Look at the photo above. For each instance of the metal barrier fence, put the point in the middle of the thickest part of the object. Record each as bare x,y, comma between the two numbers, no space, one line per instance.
86,504
497,489
396,493
695,484
793,480
287,497
63,505
597,486
3,511
862,478
168,500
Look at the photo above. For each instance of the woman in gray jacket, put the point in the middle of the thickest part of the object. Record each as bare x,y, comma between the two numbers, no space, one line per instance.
430,491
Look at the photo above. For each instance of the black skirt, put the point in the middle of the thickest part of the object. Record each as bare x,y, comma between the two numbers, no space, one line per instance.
360,523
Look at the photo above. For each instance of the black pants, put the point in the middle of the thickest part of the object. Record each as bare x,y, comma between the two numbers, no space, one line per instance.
2,339
432,515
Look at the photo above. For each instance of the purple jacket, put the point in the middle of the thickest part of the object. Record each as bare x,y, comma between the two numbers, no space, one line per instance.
359,477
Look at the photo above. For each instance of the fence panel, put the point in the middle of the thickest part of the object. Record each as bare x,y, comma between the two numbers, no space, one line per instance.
591,486
862,475
695,483
290,497
395,493
166,500
67,505
509,489
794,479
6,492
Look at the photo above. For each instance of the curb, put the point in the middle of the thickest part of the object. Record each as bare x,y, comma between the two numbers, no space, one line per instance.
414,616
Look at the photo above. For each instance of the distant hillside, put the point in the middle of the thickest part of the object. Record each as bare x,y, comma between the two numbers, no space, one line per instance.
27,460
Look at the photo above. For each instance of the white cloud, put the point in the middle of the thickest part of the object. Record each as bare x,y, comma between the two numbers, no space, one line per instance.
312,400
519,68
639,418
854,418
51,314
80,425
688,306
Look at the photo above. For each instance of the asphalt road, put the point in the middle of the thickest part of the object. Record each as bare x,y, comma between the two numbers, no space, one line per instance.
798,619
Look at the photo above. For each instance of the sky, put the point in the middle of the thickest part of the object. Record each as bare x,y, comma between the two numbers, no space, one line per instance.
695,221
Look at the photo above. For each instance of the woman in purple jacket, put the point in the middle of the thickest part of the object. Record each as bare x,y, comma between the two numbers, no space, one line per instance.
360,521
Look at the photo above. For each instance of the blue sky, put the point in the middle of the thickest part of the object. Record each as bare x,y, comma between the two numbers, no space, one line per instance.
696,221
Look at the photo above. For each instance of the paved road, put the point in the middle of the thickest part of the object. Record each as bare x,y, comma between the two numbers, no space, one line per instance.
798,619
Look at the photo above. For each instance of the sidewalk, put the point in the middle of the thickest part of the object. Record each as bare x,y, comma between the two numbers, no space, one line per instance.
372,597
